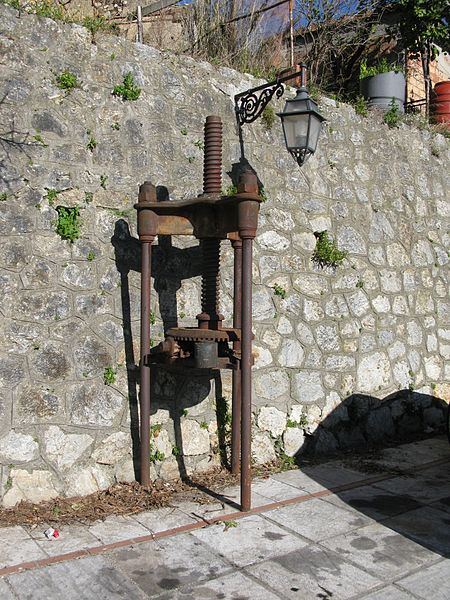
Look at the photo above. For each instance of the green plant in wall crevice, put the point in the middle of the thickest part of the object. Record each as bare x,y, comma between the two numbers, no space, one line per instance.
268,117
326,253
109,376
128,90
223,416
66,80
92,142
279,290
68,223
361,107
392,117
51,196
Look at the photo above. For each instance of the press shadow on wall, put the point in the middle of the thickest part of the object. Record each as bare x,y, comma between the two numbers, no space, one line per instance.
177,392
390,466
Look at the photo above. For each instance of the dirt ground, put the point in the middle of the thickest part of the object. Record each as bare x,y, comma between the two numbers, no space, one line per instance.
119,499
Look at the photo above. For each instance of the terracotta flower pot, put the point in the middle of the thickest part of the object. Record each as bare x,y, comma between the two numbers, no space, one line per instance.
440,106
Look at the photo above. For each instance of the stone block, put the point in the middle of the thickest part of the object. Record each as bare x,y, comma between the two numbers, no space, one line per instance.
18,448
35,486
92,404
291,354
263,450
307,387
195,439
62,449
272,420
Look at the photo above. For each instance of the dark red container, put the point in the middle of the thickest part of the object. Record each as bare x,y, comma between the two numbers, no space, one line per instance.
440,106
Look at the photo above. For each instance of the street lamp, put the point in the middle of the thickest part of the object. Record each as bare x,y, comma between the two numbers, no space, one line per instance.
301,119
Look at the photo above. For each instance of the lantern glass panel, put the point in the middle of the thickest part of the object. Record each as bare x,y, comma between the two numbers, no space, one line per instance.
296,130
314,132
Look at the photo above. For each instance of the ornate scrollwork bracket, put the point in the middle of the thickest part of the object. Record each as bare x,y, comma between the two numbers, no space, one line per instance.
249,105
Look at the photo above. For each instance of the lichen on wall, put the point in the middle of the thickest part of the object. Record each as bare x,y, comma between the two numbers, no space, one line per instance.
344,357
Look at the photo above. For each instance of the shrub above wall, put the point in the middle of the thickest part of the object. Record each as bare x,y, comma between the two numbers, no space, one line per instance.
372,326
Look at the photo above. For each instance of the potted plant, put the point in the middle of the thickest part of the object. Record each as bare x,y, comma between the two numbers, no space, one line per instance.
382,83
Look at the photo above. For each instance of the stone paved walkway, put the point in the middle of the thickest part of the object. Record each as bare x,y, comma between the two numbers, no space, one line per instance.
375,528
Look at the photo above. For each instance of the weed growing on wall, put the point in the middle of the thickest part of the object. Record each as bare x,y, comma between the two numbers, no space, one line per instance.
49,9
230,191
3,197
128,90
268,117
223,427
99,24
109,376
51,196
67,81
155,454
279,291
262,193
92,142
326,253
68,223
40,140
392,117
361,106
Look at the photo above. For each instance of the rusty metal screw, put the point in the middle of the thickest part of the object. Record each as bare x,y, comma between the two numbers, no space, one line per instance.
212,166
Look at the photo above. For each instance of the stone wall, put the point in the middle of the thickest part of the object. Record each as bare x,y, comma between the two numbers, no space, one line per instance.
343,357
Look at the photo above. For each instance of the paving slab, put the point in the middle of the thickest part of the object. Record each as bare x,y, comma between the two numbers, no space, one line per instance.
16,546
232,495
84,579
162,519
406,456
442,504
299,479
164,565
425,486
431,583
313,572
201,512
374,502
320,477
381,551
317,520
389,592
427,526
234,586
275,490
5,591
117,528
253,539
336,473
71,538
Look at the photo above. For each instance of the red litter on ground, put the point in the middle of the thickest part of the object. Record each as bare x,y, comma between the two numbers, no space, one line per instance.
51,533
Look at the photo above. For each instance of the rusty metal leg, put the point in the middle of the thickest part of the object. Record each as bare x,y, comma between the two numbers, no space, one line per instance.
246,374
147,228
236,373
144,395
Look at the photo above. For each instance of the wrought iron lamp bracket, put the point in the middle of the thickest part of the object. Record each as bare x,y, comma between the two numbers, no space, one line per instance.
250,104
